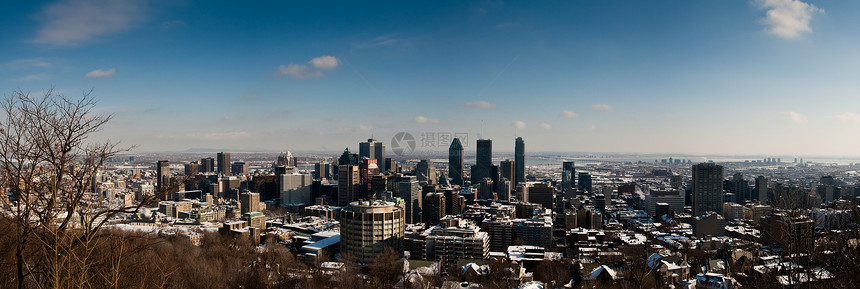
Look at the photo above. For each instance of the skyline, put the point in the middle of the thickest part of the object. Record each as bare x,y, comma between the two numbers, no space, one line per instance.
771,77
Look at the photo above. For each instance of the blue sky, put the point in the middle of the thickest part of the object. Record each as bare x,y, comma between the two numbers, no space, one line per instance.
738,77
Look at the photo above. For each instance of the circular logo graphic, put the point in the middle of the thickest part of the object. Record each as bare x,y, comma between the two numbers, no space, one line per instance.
402,143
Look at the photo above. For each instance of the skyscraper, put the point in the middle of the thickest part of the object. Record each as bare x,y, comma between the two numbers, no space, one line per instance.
372,149
322,170
520,161
506,173
191,168
224,163
207,165
707,188
761,189
433,208
286,159
567,176
347,184
379,153
455,162
425,170
410,191
483,161
584,181
162,171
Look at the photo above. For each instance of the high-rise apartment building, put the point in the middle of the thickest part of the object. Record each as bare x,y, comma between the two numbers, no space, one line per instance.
367,227
707,188
250,202
457,239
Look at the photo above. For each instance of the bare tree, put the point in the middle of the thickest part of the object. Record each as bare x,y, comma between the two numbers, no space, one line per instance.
47,162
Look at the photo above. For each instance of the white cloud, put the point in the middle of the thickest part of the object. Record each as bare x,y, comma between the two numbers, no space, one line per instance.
422,119
602,107
317,65
788,18
75,22
480,104
363,127
569,114
325,62
794,116
98,73
544,125
849,117
298,71
519,124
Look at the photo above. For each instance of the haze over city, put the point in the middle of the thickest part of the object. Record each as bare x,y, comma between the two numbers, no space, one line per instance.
734,77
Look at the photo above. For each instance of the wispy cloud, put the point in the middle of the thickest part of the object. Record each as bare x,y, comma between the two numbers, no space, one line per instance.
794,116
602,107
230,135
34,77
299,71
384,40
98,73
170,24
507,25
76,22
569,114
849,117
313,70
519,124
480,104
544,125
28,63
361,127
788,18
422,119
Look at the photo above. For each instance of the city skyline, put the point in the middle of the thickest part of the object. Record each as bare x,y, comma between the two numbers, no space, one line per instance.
774,75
